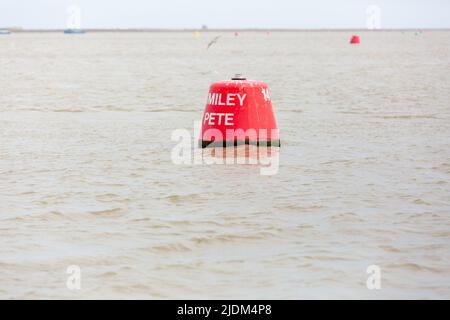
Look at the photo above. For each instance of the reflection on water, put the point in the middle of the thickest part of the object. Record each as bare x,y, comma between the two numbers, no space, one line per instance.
267,158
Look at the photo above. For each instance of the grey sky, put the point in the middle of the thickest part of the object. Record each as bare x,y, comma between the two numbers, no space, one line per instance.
225,13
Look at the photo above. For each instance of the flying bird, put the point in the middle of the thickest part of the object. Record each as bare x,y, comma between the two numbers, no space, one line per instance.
213,42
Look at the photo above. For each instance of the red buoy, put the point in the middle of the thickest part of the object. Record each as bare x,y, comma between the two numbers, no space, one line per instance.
355,39
239,111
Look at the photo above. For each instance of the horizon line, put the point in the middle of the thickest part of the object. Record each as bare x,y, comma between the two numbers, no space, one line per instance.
24,30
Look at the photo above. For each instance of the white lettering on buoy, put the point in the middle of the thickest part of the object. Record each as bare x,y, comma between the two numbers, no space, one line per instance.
218,118
241,98
229,100
265,92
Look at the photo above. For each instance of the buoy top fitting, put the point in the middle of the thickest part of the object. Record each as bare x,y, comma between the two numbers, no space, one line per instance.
238,76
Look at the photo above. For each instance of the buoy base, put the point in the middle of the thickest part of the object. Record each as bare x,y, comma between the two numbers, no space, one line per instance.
223,144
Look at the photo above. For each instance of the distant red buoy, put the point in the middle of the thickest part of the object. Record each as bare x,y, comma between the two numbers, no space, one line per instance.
355,39
236,34
238,111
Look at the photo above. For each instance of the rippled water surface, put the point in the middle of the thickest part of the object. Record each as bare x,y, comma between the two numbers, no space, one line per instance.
86,176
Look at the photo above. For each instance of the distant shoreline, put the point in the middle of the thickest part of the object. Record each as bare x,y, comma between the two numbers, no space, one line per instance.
15,30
